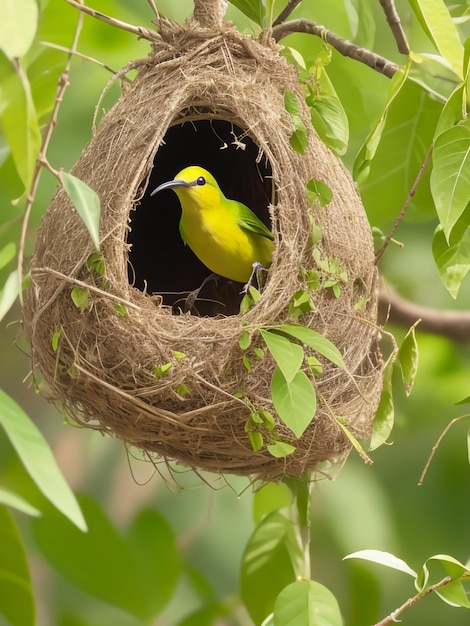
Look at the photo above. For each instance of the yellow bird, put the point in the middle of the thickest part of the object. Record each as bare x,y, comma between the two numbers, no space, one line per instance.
224,234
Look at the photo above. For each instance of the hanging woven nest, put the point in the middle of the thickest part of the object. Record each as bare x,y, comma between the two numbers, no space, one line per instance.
128,362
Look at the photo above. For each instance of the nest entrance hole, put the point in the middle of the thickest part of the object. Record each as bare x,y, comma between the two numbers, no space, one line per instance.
159,262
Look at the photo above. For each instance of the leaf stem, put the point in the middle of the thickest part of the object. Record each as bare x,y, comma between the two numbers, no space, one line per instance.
392,618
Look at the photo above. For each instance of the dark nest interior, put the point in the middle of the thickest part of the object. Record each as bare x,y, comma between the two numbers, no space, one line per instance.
231,155
129,362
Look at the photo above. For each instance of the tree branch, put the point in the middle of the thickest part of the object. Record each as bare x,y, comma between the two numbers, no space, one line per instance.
454,325
394,22
392,618
283,15
343,46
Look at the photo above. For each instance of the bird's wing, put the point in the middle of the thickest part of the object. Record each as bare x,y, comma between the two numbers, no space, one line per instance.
247,220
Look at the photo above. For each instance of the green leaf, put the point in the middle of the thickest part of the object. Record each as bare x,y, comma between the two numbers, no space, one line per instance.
383,558
16,595
266,565
453,111
437,23
9,293
18,118
99,562
280,449
384,418
256,440
245,340
450,177
328,115
317,191
453,593
80,297
300,304
18,26
14,500
120,308
299,137
318,342
387,170
38,459
161,370
254,9
155,550
294,401
7,254
452,258
55,340
307,603
87,203
408,359
95,263
288,355
271,497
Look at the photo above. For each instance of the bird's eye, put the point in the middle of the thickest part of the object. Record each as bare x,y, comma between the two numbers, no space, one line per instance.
201,181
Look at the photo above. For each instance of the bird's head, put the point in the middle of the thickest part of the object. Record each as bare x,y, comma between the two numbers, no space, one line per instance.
195,186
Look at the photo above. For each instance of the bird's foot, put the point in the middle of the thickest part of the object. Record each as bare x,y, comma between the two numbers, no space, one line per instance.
193,295
254,280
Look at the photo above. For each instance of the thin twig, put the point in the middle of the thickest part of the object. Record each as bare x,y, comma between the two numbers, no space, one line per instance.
409,197
394,22
85,57
139,31
392,618
154,8
343,46
437,444
61,88
284,14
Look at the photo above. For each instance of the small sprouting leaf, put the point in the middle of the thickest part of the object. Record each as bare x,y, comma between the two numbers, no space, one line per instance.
120,308
299,137
55,340
287,354
95,263
259,353
254,293
355,443
87,203
179,355
295,401
18,26
268,419
383,558
160,370
318,191
280,449
183,390
245,340
318,342
315,366
383,421
450,176
80,297
256,440
300,304
246,363
308,603
315,230
408,359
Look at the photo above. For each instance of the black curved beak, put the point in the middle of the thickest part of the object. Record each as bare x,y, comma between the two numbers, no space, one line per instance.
171,184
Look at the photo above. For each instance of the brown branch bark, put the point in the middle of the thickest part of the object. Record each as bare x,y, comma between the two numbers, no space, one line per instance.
454,325
343,46
394,22
283,15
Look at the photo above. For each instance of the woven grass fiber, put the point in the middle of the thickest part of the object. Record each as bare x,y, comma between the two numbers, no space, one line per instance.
102,370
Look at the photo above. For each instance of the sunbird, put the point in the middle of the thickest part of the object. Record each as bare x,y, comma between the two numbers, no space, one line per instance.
224,234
